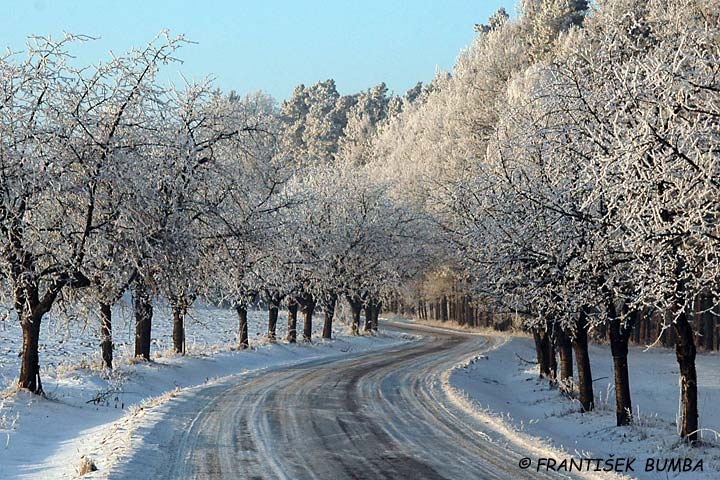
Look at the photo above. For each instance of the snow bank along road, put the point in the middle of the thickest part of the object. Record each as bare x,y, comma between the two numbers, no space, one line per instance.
381,415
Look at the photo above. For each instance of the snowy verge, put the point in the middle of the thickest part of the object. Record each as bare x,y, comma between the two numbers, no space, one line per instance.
500,389
92,414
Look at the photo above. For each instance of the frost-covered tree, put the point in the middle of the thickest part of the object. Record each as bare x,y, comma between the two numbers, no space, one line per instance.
586,197
364,119
63,130
244,201
650,69
479,169
358,247
544,20
315,118
198,129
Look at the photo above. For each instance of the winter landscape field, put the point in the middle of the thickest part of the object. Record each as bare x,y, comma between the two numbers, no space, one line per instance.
378,240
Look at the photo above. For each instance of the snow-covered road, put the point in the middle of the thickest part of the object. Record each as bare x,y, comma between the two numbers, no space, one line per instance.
380,415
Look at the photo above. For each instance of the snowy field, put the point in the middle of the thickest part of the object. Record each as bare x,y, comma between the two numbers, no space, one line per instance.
92,413
68,344
503,389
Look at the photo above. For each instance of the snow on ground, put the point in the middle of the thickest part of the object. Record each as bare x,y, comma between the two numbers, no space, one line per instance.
503,389
91,412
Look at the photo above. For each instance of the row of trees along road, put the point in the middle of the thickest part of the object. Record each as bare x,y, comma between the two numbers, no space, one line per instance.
570,161
564,173
112,182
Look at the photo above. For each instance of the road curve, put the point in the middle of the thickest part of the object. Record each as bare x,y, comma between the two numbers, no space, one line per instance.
382,415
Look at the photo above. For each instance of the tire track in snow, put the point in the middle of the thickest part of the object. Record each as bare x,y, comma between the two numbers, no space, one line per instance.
380,415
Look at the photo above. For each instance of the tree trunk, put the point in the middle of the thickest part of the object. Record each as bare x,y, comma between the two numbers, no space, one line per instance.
143,319
619,337
375,316
106,344
243,341
545,353
565,350
30,311
329,314
178,313
356,307
292,321
637,319
30,361
368,315
552,357
685,352
538,349
308,307
272,321
582,357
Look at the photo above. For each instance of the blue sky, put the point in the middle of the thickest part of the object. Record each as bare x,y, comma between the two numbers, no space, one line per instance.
273,44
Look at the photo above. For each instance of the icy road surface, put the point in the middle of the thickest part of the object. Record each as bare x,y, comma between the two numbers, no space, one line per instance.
380,415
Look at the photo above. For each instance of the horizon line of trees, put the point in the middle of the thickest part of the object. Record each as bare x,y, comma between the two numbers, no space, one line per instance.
442,296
